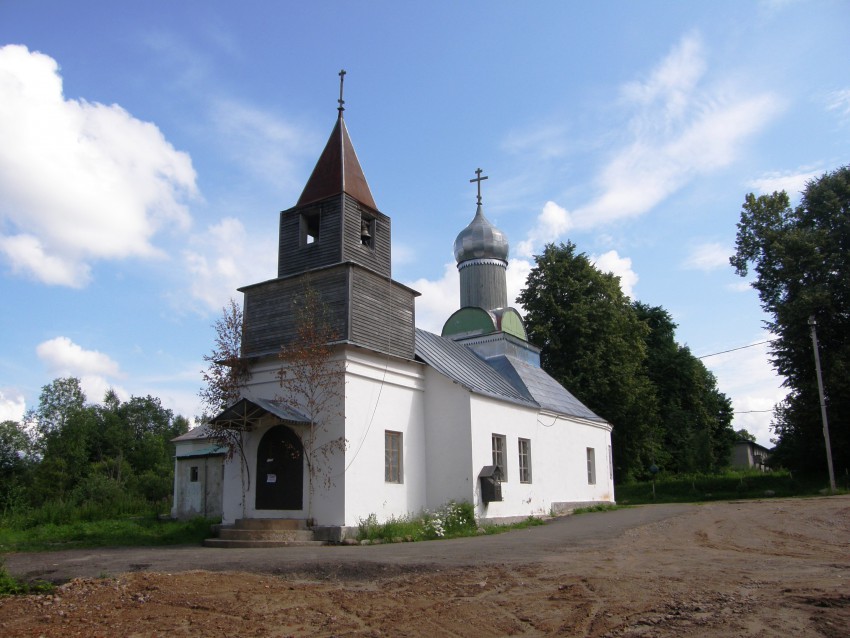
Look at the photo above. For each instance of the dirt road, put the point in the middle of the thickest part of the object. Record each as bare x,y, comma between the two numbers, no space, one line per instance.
763,568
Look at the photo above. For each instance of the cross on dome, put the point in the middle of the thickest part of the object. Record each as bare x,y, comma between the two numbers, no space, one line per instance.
479,179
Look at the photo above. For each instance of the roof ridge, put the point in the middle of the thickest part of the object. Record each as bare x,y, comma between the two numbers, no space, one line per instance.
337,171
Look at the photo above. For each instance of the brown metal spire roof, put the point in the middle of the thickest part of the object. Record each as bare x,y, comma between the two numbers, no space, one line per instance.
338,171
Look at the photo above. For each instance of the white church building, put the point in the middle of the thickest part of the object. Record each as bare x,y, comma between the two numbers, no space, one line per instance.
466,415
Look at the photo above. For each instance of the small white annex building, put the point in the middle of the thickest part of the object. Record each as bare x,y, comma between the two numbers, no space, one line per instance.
467,415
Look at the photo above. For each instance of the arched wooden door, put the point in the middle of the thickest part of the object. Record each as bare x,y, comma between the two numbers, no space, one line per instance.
280,470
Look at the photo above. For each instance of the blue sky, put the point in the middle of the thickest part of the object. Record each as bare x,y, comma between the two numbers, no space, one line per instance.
147,148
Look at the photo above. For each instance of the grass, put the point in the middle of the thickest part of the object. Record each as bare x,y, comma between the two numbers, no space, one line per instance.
730,485
11,586
126,532
452,520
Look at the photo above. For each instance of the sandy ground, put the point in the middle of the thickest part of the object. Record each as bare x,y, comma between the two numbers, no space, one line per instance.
759,568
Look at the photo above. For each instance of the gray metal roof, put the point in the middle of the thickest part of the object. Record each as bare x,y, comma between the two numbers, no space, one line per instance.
463,366
547,392
197,433
481,240
501,377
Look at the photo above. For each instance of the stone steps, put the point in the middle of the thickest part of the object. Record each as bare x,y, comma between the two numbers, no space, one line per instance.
264,532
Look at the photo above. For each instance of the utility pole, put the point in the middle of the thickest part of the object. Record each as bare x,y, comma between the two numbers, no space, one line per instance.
813,325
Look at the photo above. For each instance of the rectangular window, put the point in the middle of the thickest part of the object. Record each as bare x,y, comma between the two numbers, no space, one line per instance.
193,474
392,457
591,466
524,461
499,458
610,463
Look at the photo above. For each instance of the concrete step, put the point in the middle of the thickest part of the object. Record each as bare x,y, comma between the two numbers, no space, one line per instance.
233,544
235,533
264,532
271,523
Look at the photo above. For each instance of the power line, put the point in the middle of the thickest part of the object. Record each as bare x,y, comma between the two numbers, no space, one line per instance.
714,354
751,411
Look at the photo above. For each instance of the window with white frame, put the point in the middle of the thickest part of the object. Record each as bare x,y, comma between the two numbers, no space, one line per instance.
610,463
499,458
591,466
392,457
524,461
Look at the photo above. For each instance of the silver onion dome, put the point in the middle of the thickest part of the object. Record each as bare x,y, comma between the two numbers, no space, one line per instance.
481,240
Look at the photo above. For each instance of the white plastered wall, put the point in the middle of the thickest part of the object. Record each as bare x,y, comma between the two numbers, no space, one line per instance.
326,505
558,458
383,393
448,442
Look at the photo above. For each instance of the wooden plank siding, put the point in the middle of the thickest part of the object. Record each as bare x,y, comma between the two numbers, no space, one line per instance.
339,237
378,256
269,321
365,306
382,314
294,255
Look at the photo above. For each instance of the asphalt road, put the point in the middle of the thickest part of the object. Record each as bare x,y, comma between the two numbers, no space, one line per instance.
561,536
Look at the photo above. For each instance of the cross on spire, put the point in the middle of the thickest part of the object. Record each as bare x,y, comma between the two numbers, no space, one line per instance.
479,179
341,108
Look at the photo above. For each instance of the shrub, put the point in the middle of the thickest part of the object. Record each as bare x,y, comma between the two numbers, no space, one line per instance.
11,586
449,520
732,484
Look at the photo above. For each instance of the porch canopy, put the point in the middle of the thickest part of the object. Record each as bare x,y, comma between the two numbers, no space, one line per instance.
246,413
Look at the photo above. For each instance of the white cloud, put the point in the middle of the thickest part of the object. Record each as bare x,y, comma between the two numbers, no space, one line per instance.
64,358
261,142
672,82
679,128
26,254
223,258
552,222
403,254
517,275
839,101
711,256
792,183
12,405
79,181
619,266
439,299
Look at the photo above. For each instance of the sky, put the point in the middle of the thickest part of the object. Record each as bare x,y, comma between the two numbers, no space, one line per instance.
146,150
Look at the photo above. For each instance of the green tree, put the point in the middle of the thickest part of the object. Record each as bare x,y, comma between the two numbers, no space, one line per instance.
593,343
98,451
15,447
801,260
57,403
15,463
695,417
744,435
